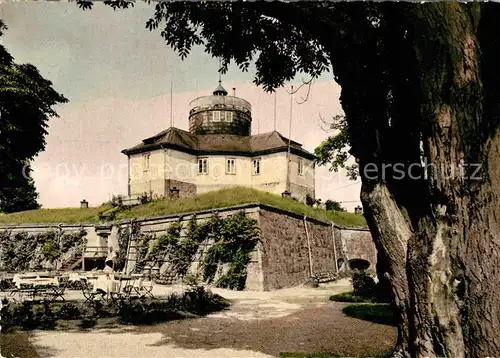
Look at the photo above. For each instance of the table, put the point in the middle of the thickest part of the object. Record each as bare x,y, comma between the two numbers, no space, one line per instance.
31,287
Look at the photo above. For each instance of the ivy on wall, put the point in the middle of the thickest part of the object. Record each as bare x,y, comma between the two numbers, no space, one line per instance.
142,248
182,255
234,238
23,251
125,235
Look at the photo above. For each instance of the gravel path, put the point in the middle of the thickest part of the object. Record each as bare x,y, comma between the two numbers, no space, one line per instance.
258,324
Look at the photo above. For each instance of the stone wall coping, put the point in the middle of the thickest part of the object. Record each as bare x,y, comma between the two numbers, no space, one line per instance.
199,213
46,225
309,218
354,228
171,217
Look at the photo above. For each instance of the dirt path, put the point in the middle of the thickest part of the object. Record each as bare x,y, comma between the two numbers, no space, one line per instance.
259,324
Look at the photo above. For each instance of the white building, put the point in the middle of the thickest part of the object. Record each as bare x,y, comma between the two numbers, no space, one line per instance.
219,152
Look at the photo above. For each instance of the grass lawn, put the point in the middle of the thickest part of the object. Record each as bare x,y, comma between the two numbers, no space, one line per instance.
380,313
211,200
351,297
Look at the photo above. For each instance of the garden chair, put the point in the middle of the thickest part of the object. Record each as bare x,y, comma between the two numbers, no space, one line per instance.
55,292
90,294
143,288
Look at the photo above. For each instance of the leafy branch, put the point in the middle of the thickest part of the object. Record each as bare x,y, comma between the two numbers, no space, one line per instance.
335,150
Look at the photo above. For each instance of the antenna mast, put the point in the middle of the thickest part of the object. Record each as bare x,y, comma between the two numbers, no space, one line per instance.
289,142
171,109
220,68
274,110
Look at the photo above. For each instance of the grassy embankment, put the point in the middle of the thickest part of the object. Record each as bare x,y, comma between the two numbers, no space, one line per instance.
211,200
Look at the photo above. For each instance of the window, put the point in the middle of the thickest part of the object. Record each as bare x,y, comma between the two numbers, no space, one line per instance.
216,116
256,166
145,162
202,166
231,166
229,116
301,167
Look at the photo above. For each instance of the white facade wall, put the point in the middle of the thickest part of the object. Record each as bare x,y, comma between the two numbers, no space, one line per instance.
173,164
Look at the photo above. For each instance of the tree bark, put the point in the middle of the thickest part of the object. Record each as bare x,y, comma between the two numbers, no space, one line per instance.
391,233
452,258
441,231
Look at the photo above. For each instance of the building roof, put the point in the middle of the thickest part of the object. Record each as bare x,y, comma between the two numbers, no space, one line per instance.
175,138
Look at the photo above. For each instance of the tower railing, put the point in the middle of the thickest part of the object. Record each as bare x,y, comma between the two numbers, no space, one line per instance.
229,102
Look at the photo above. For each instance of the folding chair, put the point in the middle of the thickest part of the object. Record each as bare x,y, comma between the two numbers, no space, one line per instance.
89,294
55,292
144,290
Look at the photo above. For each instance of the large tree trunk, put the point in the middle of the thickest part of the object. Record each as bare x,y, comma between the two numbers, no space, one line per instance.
391,233
440,231
453,257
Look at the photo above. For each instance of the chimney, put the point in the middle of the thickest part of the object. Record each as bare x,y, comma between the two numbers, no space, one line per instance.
84,204
234,91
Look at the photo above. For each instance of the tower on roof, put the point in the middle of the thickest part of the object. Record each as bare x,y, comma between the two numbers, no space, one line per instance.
220,114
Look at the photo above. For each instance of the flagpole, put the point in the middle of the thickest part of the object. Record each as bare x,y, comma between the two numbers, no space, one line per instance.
274,110
171,102
289,142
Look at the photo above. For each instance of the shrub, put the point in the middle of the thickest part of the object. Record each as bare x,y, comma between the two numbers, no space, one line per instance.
88,322
68,311
332,205
6,316
349,297
26,315
23,315
145,197
309,200
363,284
133,312
195,300
43,316
117,201
50,250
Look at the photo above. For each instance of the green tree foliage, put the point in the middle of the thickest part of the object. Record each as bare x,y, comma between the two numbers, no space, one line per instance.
238,31
334,151
333,205
26,104
18,192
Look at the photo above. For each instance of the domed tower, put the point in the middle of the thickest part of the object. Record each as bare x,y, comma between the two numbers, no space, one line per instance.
220,114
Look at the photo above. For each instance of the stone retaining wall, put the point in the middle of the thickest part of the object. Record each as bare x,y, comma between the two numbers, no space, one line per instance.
290,250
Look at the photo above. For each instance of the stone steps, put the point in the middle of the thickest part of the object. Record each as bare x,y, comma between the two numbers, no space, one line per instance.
72,264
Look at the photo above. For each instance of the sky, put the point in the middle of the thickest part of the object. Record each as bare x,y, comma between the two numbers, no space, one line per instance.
117,76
